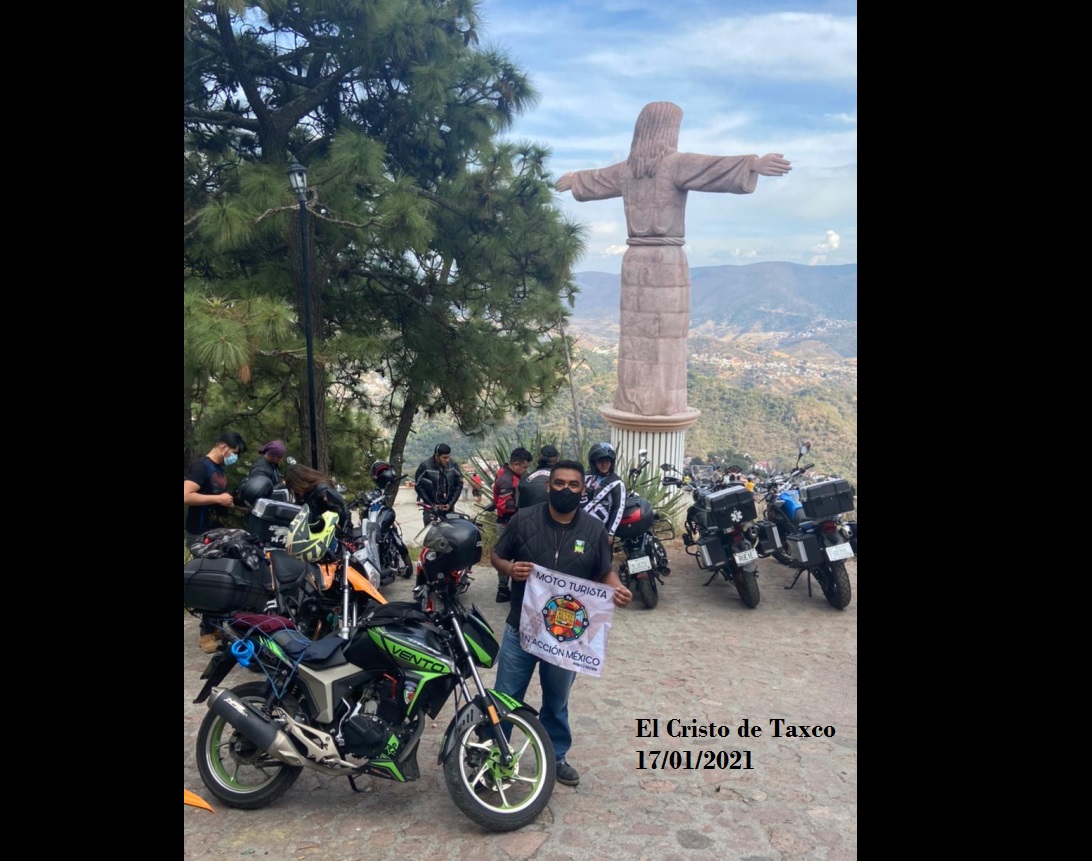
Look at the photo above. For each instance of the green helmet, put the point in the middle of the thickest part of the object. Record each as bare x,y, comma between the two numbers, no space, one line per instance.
308,544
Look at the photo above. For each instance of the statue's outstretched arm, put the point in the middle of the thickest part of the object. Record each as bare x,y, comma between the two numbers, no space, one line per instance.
771,164
598,184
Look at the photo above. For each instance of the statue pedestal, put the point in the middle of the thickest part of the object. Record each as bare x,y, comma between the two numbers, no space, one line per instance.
663,436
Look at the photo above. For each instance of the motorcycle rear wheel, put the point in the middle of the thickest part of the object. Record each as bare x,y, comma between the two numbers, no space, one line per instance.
834,581
497,797
646,588
232,767
747,586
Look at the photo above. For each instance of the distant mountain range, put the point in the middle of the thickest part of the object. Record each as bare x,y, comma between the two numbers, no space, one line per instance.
797,303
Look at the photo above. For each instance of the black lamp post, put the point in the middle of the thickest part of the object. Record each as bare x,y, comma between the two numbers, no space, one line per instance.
297,174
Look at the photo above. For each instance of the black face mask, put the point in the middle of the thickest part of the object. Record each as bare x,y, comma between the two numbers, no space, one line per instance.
564,501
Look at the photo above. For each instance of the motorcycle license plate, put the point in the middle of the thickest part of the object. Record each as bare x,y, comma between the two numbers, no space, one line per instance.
639,563
745,557
839,551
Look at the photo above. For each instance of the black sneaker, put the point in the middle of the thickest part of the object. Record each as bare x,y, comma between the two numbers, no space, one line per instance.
567,775
504,594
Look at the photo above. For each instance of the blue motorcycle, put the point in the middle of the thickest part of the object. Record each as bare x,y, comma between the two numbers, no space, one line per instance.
804,529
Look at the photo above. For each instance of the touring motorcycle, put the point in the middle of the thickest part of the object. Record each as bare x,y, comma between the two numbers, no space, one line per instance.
359,706
811,534
720,533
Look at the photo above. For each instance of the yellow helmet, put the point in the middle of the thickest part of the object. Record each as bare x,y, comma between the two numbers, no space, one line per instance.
308,544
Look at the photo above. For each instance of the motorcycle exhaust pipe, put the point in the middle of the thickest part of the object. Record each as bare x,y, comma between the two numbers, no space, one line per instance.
257,728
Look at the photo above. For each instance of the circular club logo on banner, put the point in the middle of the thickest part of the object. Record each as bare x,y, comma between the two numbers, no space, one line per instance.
565,617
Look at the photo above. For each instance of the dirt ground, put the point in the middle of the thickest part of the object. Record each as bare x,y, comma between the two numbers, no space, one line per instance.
698,658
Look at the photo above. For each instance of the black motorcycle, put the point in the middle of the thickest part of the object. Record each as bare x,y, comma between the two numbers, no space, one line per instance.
720,533
646,559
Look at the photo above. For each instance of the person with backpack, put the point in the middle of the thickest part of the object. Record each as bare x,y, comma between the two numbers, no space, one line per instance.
534,486
605,492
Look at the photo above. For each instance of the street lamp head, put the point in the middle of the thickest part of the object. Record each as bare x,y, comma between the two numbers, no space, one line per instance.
297,175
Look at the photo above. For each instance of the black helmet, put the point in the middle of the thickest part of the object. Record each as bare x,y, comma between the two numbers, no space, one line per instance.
451,545
256,487
598,452
382,474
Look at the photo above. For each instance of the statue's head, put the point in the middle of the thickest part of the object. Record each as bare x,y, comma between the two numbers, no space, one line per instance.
655,134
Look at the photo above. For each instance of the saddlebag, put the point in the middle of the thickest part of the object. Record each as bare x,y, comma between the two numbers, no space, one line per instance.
269,521
733,506
711,553
804,548
827,498
769,538
223,585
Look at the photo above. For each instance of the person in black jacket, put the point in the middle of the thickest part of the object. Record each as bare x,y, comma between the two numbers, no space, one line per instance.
534,485
506,500
447,481
605,496
265,474
315,490
561,537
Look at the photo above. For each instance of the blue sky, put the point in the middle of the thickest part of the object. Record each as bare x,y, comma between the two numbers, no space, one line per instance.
751,77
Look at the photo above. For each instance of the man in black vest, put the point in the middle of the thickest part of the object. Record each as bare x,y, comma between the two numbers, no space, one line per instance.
561,537
447,481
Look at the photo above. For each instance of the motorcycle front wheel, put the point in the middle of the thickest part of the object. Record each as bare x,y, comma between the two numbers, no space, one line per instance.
834,581
502,797
232,766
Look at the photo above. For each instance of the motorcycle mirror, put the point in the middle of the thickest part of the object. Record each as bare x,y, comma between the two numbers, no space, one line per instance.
643,453
666,466
291,461
805,447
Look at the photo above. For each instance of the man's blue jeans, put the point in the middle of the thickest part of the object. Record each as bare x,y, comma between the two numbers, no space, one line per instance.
514,671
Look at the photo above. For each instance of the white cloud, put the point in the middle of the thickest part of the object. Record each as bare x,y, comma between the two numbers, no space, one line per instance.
831,243
820,250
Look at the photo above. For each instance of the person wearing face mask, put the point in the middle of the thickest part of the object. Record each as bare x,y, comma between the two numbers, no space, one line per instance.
205,495
561,537
204,489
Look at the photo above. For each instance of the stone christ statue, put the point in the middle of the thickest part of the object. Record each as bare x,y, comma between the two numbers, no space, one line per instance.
655,310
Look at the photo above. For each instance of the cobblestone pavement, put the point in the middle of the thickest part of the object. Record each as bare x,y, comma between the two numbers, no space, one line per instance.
700,656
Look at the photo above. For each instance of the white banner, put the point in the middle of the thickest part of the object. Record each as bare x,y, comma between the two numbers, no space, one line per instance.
565,620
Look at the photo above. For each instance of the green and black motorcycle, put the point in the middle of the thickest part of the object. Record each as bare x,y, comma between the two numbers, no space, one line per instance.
359,706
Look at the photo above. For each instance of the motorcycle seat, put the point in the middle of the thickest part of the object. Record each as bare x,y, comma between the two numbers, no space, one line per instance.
287,570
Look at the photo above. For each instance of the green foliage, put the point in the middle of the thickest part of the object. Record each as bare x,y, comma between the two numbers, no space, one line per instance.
436,255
